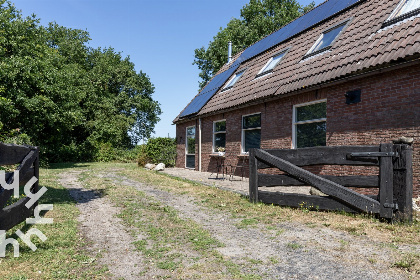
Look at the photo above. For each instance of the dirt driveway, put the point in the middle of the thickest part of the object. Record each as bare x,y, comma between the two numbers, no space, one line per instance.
241,248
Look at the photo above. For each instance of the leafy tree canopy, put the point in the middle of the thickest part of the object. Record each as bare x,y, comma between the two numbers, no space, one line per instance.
67,97
258,19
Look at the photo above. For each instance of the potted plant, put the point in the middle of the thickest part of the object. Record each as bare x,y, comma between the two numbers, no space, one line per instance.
221,151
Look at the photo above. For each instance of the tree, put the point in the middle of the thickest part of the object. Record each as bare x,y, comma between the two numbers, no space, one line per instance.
67,97
258,19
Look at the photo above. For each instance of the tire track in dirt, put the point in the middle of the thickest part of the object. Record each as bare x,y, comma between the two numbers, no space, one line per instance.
104,231
320,256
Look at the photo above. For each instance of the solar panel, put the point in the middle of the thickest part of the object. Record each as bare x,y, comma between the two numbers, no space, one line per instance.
313,17
208,91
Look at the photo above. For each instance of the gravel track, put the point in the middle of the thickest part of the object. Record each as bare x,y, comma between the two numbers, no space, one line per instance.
299,252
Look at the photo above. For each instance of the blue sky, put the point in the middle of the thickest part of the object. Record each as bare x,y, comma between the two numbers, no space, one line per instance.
159,36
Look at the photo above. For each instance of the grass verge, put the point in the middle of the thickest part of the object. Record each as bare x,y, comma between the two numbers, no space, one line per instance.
62,255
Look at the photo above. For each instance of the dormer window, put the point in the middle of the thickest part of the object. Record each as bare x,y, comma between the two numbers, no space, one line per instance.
271,64
234,79
326,40
405,9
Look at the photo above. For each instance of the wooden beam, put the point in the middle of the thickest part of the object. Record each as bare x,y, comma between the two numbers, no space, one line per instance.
15,214
307,201
23,168
403,182
12,154
328,187
268,180
386,183
253,176
325,156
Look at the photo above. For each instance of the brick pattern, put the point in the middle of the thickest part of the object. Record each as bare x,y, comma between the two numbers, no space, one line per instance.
389,109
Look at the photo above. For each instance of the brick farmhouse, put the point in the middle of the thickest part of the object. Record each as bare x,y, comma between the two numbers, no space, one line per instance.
351,77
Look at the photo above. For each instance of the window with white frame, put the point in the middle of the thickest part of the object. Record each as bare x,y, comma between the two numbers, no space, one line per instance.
251,132
219,136
405,9
271,64
190,147
310,124
326,39
234,79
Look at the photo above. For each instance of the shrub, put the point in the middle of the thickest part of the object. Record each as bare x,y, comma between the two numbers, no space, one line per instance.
161,150
142,157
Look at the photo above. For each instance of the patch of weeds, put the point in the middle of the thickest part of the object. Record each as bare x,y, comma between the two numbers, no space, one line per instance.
247,222
407,262
254,261
311,225
343,245
168,265
373,259
273,260
294,245
305,207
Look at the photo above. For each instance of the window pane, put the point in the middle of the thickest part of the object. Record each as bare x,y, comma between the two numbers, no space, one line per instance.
311,112
252,139
251,121
327,38
191,145
191,131
220,126
273,63
219,141
190,161
409,6
234,80
311,134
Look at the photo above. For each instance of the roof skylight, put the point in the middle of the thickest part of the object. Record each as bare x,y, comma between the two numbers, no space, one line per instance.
326,39
233,81
274,60
405,9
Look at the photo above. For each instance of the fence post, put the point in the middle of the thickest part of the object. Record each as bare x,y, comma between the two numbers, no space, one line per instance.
253,176
386,182
403,182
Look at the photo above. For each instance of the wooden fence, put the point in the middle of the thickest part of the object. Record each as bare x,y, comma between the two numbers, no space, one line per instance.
27,159
394,201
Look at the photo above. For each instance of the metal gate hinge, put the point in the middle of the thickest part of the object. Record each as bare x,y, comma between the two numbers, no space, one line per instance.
391,205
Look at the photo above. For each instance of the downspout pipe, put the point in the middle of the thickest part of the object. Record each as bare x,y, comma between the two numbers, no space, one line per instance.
199,144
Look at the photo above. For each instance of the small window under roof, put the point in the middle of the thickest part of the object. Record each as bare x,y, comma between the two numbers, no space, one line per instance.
274,60
405,9
326,39
233,81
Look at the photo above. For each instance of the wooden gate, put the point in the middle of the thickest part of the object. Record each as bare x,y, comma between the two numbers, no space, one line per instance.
394,200
27,158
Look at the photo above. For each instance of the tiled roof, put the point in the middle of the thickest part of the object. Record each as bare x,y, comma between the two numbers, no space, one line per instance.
363,45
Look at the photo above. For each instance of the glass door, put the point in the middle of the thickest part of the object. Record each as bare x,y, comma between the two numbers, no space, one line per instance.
190,147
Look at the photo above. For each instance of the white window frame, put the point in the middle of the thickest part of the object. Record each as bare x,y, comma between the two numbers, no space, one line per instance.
396,17
243,131
295,123
186,145
229,84
214,134
263,70
311,51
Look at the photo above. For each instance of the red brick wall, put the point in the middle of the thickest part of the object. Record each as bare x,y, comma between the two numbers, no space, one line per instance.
389,109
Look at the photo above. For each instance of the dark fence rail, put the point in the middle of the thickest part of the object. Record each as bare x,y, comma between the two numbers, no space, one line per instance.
27,158
394,201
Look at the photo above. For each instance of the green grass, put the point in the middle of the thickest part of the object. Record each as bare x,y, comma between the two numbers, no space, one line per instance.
169,242
62,255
